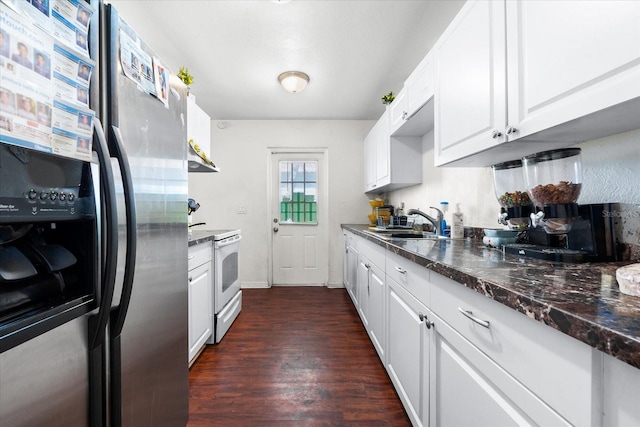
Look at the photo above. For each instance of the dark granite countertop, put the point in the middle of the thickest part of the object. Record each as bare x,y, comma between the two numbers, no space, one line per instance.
580,300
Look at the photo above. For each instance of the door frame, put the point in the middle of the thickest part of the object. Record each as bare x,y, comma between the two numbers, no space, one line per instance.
323,193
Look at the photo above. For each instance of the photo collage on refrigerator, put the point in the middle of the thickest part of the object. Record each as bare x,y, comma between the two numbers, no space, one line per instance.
45,74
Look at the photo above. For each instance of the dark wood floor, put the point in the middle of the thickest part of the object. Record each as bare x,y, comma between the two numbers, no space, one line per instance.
296,356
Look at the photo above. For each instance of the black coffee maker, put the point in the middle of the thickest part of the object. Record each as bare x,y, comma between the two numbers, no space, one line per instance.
560,229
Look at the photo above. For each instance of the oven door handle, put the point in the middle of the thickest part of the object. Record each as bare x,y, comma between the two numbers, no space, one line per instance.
227,242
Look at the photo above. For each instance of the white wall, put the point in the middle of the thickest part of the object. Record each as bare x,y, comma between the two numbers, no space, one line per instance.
611,172
240,150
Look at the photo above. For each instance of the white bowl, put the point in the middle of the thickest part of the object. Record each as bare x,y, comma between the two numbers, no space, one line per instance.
628,278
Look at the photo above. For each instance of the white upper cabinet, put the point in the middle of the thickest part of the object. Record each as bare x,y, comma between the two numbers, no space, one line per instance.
569,59
398,111
391,162
470,90
198,130
412,110
419,85
570,72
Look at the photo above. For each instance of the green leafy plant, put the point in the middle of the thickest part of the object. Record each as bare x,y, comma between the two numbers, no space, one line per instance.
185,76
388,98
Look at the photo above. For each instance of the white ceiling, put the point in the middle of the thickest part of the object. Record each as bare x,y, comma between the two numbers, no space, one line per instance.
354,51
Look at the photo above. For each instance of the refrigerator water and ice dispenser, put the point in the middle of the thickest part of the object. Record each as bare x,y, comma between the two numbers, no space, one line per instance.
48,243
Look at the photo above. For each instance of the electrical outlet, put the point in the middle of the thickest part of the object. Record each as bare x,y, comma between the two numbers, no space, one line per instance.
242,210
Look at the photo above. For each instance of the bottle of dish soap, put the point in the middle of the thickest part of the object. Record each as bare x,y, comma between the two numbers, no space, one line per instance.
444,228
457,226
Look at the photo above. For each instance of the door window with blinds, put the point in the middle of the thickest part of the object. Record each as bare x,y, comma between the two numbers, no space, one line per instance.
299,192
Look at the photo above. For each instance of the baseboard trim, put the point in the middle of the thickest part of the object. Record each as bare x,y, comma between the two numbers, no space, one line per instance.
254,285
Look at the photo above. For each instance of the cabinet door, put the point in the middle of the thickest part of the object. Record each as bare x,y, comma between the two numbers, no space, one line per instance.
370,160
363,289
376,312
470,86
345,261
408,351
568,59
419,85
469,389
199,308
383,147
352,274
398,111
198,128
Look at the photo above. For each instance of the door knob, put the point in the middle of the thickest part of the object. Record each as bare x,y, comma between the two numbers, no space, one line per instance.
275,229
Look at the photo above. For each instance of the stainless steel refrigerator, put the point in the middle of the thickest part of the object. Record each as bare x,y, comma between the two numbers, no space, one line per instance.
118,357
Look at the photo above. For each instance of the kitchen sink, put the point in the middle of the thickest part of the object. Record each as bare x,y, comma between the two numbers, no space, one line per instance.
404,234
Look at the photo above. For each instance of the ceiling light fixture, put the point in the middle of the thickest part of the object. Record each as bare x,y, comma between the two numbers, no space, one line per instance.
293,81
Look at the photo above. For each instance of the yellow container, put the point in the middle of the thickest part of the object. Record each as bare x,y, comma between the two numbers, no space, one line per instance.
376,203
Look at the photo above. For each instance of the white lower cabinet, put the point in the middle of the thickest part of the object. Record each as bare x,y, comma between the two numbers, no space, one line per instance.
199,282
562,371
458,358
408,351
621,391
350,272
371,293
469,389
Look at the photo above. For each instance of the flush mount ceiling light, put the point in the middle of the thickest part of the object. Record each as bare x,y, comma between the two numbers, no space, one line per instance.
293,81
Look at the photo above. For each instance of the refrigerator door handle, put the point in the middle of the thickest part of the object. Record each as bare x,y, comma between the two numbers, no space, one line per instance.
97,323
119,313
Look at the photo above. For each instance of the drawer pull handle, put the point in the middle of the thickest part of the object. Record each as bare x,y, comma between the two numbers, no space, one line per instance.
191,257
400,270
469,314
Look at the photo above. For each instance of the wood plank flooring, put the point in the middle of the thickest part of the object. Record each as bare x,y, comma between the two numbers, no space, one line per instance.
296,356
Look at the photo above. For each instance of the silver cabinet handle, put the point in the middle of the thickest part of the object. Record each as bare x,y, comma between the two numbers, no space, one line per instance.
496,134
511,130
400,270
469,315
404,115
428,323
191,257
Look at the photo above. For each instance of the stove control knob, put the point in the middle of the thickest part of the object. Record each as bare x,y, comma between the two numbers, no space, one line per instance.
32,194
43,195
62,197
71,197
53,195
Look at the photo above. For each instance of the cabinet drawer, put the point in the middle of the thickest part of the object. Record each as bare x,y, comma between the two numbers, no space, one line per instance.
472,390
411,276
562,371
199,254
373,252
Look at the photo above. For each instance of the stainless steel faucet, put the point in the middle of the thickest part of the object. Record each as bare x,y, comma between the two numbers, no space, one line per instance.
437,222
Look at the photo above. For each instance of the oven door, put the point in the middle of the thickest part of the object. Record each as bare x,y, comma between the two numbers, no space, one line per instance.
226,283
